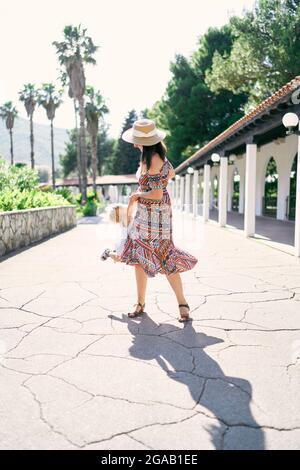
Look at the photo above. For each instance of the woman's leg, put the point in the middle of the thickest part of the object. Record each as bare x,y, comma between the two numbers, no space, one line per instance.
141,283
176,284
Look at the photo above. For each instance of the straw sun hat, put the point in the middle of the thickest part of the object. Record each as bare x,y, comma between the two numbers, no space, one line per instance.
143,132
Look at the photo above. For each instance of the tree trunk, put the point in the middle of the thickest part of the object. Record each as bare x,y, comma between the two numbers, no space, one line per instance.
78,150
31,142
83,149
94,160
11,147
52,155
99,161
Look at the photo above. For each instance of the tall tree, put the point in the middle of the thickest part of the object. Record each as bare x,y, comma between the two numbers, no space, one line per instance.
68,160
64,80
95,109
8,112
265,54
105,148
126,158
50,99
190,112
76,50
78,147
29,97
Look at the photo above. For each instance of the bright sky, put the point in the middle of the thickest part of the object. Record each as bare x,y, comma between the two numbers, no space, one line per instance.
137,42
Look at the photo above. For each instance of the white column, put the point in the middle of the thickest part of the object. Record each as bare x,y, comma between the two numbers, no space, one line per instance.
283,189
250,190
206,192
200,194
297,215
230,189
242,191
222,196
172,190
195,192
177,193
187,193
181,202
211,189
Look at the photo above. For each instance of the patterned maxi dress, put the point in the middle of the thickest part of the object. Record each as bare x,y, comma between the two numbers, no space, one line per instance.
149,241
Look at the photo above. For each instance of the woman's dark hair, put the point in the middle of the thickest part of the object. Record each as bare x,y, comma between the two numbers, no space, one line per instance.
149,150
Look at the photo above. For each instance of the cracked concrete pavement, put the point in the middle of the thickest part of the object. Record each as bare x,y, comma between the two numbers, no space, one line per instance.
77,373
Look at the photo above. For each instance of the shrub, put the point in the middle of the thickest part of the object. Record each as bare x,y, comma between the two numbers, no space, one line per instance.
19,190
91,196
46,188
90,208
93,205
67,194
18,200
12,177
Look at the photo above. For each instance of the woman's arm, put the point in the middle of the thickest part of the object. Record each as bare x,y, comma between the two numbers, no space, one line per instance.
171,173
152,194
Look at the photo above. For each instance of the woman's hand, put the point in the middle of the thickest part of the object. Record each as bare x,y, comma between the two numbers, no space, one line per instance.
134,196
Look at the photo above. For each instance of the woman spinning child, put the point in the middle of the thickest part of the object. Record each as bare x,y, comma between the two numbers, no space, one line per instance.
149,245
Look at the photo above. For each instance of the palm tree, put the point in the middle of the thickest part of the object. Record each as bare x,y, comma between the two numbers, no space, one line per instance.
8,112
73,52
50,99
64,79
95,109
78,146
29,97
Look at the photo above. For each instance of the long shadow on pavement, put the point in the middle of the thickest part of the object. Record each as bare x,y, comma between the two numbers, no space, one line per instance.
228,398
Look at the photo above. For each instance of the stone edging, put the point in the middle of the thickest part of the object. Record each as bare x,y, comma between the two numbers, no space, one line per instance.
20,228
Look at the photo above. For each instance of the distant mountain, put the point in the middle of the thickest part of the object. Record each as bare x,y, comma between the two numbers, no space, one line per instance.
42,143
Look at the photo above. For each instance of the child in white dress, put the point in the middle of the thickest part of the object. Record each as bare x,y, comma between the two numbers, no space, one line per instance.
120,214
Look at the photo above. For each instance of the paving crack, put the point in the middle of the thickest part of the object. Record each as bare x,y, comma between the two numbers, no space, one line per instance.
147,446
42,417
125,433
32,300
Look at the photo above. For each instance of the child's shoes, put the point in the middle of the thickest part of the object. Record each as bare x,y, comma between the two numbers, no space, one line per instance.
105,254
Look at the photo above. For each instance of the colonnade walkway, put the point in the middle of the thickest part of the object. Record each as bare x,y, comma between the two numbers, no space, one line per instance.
77,373
276,233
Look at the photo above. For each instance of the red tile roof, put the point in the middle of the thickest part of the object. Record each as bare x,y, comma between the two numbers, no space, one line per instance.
262,107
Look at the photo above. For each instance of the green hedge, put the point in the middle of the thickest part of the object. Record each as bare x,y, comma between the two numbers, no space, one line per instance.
28,199
19,189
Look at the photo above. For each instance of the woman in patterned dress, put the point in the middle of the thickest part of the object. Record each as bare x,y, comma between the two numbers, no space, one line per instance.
149,245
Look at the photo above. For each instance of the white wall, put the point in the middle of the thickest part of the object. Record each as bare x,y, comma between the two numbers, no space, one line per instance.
283,151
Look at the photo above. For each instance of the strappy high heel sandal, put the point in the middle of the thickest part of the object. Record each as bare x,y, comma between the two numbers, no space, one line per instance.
184,317
137,312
